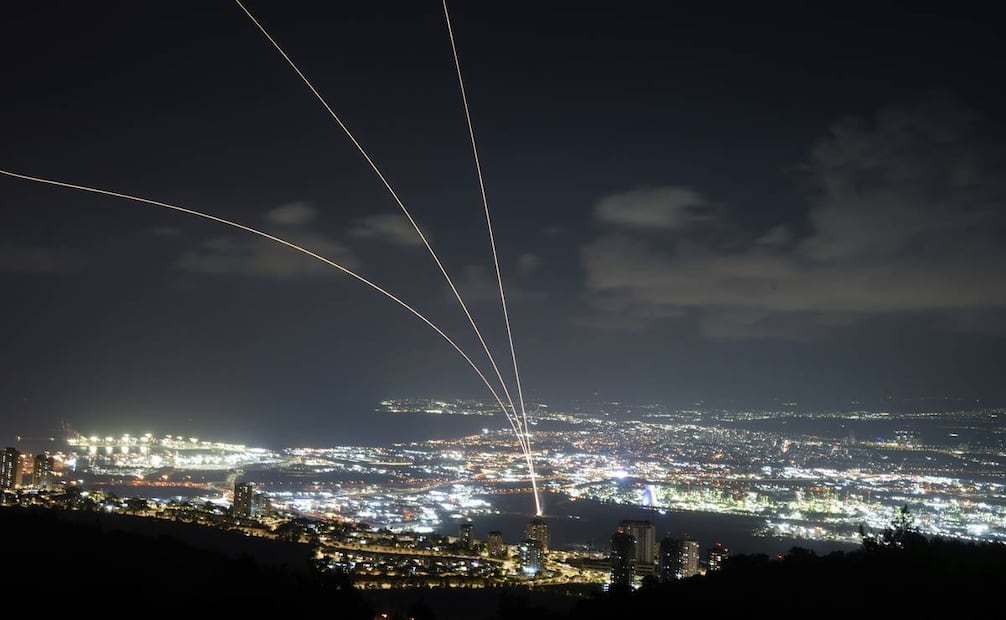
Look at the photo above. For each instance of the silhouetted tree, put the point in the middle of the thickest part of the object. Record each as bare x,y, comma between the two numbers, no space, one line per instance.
902,533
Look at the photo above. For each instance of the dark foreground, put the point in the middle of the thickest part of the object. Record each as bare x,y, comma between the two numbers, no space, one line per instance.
63,561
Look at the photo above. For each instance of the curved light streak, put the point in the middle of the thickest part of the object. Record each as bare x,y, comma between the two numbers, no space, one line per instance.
496,260
394,195
300,249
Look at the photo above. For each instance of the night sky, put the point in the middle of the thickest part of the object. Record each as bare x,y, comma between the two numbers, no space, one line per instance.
734,206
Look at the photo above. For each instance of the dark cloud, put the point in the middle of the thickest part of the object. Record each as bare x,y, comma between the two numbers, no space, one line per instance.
528,263
258,257
655,208
166,232
389,228
292,214
36,259
478,284
917,181
255,257
907,212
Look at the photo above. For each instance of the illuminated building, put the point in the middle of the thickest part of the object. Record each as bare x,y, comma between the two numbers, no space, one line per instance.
261,505
532,556
716,556
623,558
41,473
645,534
495,543
678,558
537,529
244,496
667,559
10,468
465,534
688,558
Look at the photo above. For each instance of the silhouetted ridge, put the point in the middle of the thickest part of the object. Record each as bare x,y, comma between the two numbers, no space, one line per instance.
963,575
78,555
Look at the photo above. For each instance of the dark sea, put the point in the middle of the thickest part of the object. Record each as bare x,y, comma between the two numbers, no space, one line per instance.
948,430
583,523
379,429
384,429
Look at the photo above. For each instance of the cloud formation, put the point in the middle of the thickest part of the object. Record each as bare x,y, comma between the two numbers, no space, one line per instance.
906,216
257,257
478,284
528,263
292,214
254,257
166,232
36,259
389,228
655,208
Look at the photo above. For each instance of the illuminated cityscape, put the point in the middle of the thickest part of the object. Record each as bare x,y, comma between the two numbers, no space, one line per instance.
407,310
412,513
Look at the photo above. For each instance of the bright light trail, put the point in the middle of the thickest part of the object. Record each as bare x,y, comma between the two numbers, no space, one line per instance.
496,261
394,195
302,250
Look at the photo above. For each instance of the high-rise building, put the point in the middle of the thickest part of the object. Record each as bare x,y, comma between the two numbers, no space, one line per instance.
244,496
41,472
678,558
537,529
532,556
645,534
261,505
465,534
716,556
11,462
623,558
667,559
688,558
496,547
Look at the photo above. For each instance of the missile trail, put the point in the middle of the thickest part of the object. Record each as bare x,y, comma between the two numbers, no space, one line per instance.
300,249
496,261
391,191
524,437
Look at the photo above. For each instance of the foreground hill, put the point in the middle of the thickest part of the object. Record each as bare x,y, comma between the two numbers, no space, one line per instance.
61,560
914,578
58,560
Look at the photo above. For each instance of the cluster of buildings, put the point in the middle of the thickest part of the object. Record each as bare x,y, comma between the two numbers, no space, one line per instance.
249,504
20,471
797,484
635,553
382,558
